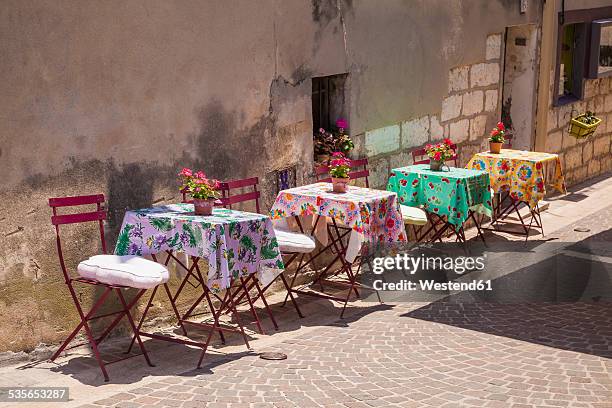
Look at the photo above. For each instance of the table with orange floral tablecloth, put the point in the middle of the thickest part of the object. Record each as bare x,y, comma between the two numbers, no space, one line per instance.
522,174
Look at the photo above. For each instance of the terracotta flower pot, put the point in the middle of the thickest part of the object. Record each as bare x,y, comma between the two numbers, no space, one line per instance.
495,147
340,185
203,206
436,165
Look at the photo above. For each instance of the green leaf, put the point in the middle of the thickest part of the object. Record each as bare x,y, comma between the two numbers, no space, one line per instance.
247,243
174,240
161,224
270,251
123,241
189,231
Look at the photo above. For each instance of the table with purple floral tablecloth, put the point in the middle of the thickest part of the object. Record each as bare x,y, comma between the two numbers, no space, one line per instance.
373,215
235,243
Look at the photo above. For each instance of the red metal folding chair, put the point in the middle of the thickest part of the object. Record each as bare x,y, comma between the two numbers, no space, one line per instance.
99,215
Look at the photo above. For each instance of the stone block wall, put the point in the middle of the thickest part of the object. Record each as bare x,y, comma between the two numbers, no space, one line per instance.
589,157
470,108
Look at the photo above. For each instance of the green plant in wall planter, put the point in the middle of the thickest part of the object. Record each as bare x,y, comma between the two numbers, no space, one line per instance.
584,125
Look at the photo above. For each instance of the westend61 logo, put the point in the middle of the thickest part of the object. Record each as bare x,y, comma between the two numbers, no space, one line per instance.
404,272
412,264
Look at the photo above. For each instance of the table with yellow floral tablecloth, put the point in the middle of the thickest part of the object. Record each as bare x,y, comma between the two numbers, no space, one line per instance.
522,174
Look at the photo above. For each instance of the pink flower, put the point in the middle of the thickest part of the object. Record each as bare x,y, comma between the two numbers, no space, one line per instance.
341,123
494,132
337,154
200,175
186,172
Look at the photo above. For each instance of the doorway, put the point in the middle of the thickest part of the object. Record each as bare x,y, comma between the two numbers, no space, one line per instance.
519,89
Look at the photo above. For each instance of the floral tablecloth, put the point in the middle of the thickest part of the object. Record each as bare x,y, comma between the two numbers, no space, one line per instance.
451,192
521,173
235,243
373,215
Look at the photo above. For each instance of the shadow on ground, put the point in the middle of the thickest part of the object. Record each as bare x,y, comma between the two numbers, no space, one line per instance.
564,301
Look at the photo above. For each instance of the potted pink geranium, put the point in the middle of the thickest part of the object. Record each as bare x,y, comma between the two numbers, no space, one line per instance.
203,190
496,138
339,168
438,153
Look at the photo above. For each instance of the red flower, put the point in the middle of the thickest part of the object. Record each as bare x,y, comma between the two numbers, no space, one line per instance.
437,155
448,142
390,223
415,182
403,182
445,180
431,186
495,132
501,126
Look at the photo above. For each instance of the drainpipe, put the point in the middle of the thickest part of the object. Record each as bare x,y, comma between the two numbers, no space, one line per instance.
547,56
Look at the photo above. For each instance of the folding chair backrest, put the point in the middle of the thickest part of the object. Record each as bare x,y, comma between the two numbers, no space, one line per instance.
419,156
228,197
99,215
508,140
359,170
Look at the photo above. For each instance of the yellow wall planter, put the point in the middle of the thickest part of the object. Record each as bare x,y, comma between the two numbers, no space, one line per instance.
580,129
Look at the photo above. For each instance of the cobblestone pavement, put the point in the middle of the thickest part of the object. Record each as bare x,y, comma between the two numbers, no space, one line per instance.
442,354
482,355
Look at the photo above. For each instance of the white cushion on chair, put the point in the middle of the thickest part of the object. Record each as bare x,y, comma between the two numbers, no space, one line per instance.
128,270
413,215
289,241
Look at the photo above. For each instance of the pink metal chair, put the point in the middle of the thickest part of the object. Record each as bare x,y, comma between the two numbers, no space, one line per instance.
419,156
99,215
359,170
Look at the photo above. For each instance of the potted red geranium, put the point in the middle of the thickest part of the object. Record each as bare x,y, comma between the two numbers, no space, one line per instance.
496,138
203,190
438,153
339,168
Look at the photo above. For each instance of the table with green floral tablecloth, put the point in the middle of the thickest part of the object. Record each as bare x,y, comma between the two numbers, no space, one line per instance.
452,192
235,243
521,173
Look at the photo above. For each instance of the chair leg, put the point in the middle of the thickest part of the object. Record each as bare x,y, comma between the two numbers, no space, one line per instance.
214,315
84,318
142,318
136,331
265,302
253,311
290,294
88,332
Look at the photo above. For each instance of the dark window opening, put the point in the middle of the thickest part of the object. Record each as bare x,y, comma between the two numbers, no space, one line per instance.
570,65
600,61
328,101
